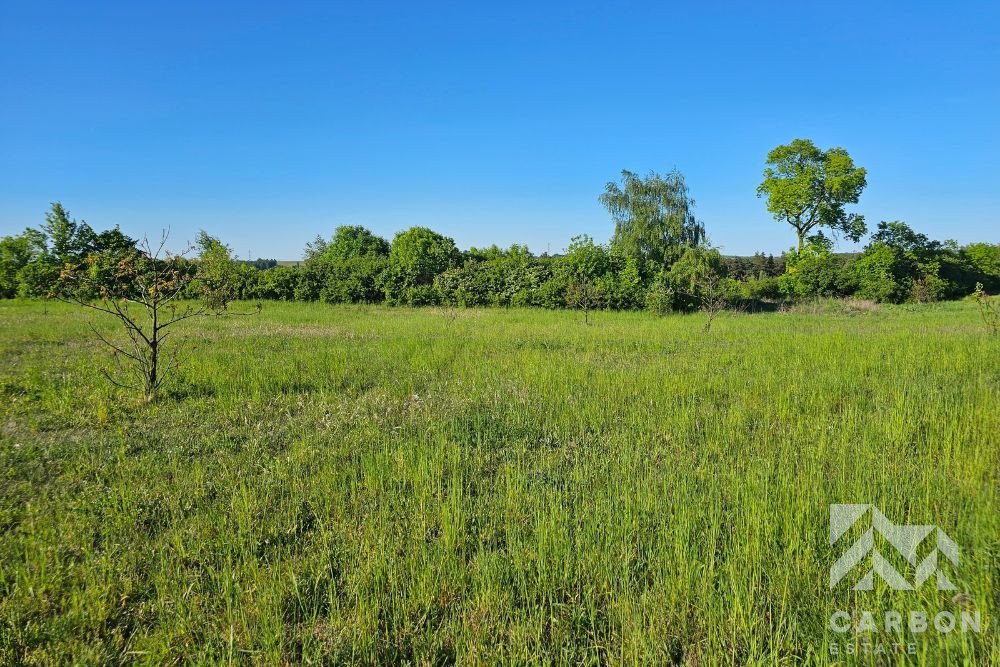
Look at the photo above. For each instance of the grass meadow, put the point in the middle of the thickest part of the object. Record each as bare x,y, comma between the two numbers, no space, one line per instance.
366,485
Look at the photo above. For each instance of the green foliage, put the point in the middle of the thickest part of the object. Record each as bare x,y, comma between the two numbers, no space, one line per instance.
355,279
69,241
811,271
417,255
690,276
30,263
653,216
312,278
745,268
276,284
901,237
109,249
423,267
760,288
808,188
660,295
585,260
37,278
623,287
351,242
874,274
693,281
220,278
350,268
928,286
113,242
493,277
16,253
983,260
583,268
900,264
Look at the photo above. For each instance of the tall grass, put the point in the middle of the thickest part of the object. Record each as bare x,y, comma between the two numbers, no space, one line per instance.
371,486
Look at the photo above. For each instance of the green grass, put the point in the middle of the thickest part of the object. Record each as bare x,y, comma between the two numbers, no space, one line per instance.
371,485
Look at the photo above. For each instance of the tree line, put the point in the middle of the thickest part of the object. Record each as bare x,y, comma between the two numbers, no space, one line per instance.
658,258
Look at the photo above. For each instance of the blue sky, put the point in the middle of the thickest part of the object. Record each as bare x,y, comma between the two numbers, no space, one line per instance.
269,123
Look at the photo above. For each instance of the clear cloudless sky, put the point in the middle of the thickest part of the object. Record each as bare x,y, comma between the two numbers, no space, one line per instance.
269,123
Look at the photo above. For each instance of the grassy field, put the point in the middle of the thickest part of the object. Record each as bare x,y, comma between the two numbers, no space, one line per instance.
372,486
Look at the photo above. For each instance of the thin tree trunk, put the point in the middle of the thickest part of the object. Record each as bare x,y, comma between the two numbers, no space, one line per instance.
154,345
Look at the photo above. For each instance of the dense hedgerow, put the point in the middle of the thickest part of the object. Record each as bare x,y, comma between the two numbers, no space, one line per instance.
422,267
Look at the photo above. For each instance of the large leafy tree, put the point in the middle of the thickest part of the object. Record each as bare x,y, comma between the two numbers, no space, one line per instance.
70,241
808,188
347,269
416,256
219,276
16,254
902,237
355,241
983,259
899,264
654,217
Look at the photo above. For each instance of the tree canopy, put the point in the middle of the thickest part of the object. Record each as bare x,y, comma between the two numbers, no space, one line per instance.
808,188
355,241
653,216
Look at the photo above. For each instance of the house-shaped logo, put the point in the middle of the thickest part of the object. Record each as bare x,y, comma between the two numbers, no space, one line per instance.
904,539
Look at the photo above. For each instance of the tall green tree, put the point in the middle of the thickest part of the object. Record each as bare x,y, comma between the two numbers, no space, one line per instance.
654,217
355,241
419,254
900,264
70,241
984,261
808,188
416,256
219,274
16,253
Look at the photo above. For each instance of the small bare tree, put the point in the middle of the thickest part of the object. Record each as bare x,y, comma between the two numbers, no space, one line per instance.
582,294
145,290
989,309
711,297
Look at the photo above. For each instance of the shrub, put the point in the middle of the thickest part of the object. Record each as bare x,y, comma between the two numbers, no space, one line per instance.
989,309
353,280
417,255
811,271
983,259
874,275
277,284
36,279
623,287
760,288
660,296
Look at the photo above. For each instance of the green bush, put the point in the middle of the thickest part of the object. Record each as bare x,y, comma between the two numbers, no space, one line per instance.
761,288
660,296
983,260
277,284
354,280
811,271
874,275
